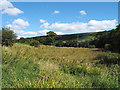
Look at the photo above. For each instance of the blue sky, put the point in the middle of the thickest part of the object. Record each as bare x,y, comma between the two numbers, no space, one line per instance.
36,18
64,0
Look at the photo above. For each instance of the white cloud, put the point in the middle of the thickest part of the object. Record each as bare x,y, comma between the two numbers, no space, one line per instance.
59,33
12,11
42,21
4,4
18,24
105,24
29,33
18,37
8,8
82,12
43,32
68,27
56,12
78,27
100,30
18,27
21,32
45,25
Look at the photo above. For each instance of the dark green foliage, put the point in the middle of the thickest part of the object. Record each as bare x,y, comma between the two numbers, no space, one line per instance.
50,39
42,40
34,43
107,46
59,43
8,37
67,40
110,40
46,40
23,40
51,33
72,43
7,42
91,46
108,59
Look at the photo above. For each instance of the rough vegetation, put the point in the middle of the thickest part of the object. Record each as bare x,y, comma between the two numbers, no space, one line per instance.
25,66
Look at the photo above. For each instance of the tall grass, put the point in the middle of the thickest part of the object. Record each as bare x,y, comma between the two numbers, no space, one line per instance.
25,66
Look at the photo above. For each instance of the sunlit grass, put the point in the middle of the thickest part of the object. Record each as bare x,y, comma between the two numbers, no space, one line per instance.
56,67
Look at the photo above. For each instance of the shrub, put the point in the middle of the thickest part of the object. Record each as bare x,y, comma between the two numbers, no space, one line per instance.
107,46
109,58
34,43
7,42
91,46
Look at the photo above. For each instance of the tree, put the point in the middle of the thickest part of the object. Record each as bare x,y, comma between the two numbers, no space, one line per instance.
109,40
8,37
51,33
51,38
22,40
34,43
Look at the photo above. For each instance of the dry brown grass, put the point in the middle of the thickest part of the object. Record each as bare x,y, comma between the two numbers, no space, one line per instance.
55,54
48,66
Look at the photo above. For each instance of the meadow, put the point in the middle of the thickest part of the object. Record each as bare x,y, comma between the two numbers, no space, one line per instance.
25,66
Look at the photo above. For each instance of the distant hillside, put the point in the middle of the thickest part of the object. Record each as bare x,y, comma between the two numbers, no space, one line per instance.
67,37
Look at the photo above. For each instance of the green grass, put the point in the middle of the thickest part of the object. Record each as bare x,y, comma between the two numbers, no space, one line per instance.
56,67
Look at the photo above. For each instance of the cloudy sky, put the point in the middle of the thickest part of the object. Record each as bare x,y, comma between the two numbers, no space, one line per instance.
28,19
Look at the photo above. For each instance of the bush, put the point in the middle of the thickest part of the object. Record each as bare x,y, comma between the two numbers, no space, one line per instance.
7,42
34,43
107,46
91,46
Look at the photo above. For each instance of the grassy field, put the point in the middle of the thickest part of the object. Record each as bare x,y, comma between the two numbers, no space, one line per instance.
58,67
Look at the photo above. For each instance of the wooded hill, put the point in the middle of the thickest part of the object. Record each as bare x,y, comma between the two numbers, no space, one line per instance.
68,37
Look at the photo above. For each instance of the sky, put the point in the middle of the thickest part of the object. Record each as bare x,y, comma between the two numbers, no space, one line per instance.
64,0
30,19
